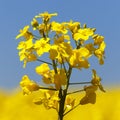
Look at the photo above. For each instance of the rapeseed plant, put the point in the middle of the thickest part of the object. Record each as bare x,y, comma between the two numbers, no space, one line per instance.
67,49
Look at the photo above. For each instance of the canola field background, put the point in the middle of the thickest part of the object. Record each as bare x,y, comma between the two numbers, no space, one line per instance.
16,106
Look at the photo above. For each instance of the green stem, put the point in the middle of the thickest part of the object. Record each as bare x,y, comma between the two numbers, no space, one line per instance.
75,91
44,62
48,88
63,94
65,68
61,103
54,66
79,83
68,76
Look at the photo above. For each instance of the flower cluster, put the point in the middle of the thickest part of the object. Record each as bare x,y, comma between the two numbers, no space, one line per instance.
57,39
68,45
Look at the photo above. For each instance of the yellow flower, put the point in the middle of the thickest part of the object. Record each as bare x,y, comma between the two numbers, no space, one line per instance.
96,80
83,52
42,46
100,52
69,102
42,69
46,73
73,26
53,52
98,39
46,16
64,49
60,51
91,48
27,56
83,63
25,33
58,27
73,59
60,79
26,51
90,96
83,34
34,24
25,44
79,58
28,85
31,57
48,77
43,28
49,99
61,39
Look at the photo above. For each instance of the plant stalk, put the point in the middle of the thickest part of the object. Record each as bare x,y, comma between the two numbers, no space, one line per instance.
63,94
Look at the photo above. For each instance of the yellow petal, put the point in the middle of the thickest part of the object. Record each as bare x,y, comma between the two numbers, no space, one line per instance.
88,98
42,69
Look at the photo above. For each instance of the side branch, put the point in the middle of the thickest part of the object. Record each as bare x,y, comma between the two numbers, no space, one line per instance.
79,83
75,91
48,88
44,61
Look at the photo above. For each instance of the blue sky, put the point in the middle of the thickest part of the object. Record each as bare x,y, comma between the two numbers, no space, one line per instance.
101,14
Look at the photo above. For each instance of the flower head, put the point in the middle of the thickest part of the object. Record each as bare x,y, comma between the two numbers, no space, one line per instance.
90,96
26,51
42,69
97,39
34,24
70,102
28,85
25,33
42,46
100,52
73,26
46,16
96,80
59,27
83,34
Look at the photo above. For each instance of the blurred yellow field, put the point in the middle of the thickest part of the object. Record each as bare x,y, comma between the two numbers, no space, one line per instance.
19,107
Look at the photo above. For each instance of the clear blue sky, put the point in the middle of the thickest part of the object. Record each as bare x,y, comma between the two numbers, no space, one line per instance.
102,14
